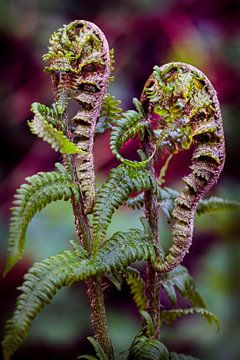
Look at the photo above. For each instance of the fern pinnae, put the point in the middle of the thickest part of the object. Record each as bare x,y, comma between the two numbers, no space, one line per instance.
40,190
169,316
45,278
137,288
41,283
216,204
114,193
189,113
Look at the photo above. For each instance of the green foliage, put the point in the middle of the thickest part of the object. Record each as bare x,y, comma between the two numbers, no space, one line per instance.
40,190
45,130
131,124
110,114
169,316
180,279
40,285
216,204
148,326
144,348
121,183
45,278
98,349
137,287
175,356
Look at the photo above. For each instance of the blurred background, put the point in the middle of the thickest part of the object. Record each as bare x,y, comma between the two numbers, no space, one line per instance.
143,33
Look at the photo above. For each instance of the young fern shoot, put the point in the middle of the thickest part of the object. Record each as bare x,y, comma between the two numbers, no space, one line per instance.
178,109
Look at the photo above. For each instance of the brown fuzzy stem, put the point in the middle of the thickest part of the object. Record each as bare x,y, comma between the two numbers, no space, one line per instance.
153,280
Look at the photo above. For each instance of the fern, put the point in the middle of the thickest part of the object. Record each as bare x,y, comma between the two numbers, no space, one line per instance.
144,348
45,278
215,204
40,285
40,190
121,183
180,279
98,349
110,114
131,124
45,130
137,287
169,316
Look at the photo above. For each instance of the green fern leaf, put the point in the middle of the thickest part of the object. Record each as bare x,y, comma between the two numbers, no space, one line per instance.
137,202
169,316
101,355
129,126
41,189
40,285
180,279
43,129
137,287
215,204
148,326
144,348
121,183
110,114
44,279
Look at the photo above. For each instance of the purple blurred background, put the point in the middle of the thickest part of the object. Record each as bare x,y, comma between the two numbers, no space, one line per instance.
143,33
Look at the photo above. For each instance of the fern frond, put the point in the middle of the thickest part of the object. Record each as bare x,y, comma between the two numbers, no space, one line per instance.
169,316
40,190
44,279
148,325
110,114
129,126
43,129
144,348
180,279
136,202
101,355
215,204
115,191
137,287
40,285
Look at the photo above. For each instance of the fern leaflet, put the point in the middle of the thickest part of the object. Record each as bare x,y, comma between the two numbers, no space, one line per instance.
121,183
169,316
43,129
110,114
137,287
180,279
144,348
44,279
101,355
41,189
215,204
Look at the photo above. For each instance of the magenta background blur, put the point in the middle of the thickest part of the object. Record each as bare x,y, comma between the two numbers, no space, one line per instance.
143,33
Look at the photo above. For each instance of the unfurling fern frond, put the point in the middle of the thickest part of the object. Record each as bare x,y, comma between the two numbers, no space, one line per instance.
101,355
137,287
110,114
131,124
144,348
180,279
44,129
169,316
40,285
216,204
40,190
45,278
121,183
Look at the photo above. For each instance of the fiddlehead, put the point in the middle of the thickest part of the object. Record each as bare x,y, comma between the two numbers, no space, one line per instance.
187,110
79,63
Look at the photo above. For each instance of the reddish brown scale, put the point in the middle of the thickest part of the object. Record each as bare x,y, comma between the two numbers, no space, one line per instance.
207,159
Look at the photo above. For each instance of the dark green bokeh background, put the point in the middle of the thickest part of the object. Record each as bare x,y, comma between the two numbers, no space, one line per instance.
143,33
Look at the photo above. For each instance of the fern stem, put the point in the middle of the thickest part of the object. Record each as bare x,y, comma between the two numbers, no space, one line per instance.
94,287
98,315
153,279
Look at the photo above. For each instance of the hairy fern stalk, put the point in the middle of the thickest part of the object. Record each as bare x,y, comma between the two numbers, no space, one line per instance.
178,109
